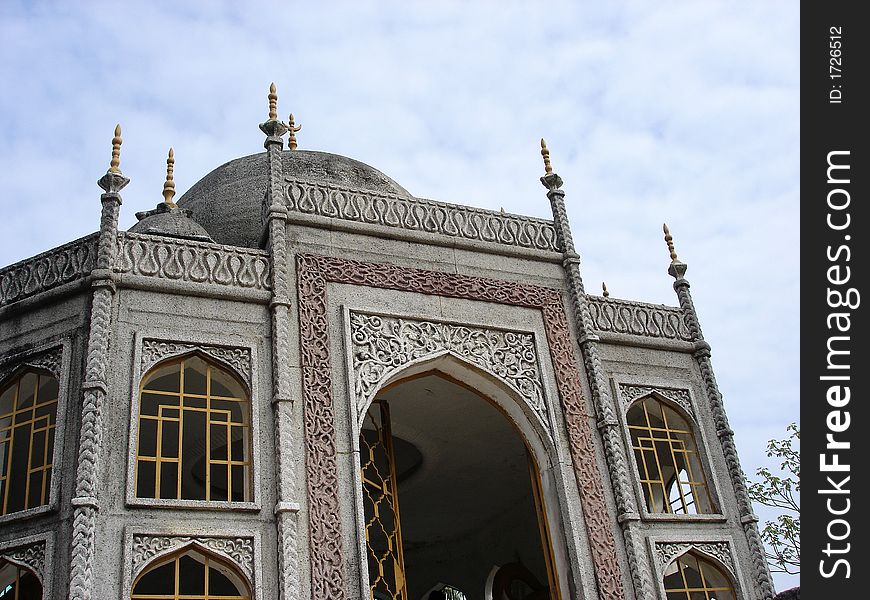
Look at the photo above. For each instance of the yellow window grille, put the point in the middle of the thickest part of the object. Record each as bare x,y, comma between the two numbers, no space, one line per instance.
692,577
190,575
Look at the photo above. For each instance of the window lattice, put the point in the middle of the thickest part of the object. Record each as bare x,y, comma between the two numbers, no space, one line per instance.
190,575
671,474
194,433
691,577
28,414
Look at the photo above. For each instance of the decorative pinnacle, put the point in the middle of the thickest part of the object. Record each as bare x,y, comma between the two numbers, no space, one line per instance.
169,184
116,151
548,168
292,128
670,242
604,291
273,102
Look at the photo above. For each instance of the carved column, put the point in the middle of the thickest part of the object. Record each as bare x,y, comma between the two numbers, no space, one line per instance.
748,519
86,500
275,231
608,424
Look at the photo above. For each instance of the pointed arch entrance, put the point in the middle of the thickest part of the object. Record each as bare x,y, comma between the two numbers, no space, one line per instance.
450,489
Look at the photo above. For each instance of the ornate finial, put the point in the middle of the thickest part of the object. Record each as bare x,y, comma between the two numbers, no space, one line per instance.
169,184
670,242
116,151
292,128
273,102
604,291
548,168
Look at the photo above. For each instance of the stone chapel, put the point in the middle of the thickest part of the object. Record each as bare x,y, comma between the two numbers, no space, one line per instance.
300,381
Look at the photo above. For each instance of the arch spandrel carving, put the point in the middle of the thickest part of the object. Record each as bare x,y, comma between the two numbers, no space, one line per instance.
667,552
238,359
238,551
50,360
629,393
31,556
384,345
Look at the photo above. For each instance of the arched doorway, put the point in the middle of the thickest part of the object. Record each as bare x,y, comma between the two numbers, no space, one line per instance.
451,498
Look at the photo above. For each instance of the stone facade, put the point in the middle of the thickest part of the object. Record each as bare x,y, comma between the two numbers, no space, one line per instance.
341,281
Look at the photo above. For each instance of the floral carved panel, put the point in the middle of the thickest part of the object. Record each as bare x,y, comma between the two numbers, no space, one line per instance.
383,344
154,351
237,550
680,397
31,556
50,360
668,551
314,274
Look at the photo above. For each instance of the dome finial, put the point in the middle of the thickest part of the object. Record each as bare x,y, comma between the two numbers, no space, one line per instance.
548,168
169,184
604,291
292,128
115,164
669,240
273,102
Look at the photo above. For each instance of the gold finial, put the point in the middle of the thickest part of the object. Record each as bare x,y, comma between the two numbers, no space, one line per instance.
273,102
548,168
292,128
604,291
169,184
670,242
116,151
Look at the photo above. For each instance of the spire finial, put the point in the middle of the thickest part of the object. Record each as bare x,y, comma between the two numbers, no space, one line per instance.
273,102
670,242
604,291
114,165
169,184
548,168
293,128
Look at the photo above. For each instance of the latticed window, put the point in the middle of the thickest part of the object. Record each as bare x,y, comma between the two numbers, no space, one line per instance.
692,577
194,433
28,412
668,462
191,575
18,583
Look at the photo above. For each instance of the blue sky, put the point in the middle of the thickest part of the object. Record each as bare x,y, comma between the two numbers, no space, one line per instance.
685,112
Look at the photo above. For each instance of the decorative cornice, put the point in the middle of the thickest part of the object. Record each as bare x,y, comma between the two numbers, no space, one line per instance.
154,351
668,551
50,360
195,262
383,345
638,318
237,550
31,556
388,210
48,270
680,397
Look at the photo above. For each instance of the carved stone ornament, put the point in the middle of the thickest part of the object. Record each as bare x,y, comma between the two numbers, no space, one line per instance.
680,397
239,551
314,273
50,360
382,345
388,210
31,556
668,551
638,318
154,351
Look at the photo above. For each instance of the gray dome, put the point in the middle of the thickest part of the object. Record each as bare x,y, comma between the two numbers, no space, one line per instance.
228,201
170,221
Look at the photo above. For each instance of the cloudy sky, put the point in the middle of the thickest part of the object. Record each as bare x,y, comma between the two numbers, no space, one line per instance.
682,112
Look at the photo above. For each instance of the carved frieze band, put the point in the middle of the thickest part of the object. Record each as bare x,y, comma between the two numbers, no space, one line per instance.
50,360
238,550
48,270
668,551
377,208
384,344
190,261
154,351
327,570
680,397
638,318
31,556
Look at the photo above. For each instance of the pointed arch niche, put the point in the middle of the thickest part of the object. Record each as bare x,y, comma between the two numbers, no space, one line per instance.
453,461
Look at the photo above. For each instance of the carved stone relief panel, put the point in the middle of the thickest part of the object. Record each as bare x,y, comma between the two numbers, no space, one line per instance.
154,351
668,551
50,360
237,550
30,555
680,397
611,315
381,345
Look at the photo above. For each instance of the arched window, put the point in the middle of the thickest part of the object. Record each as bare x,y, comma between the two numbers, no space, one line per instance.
28,412
190,575
692,576
194,433
18,583
668,462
